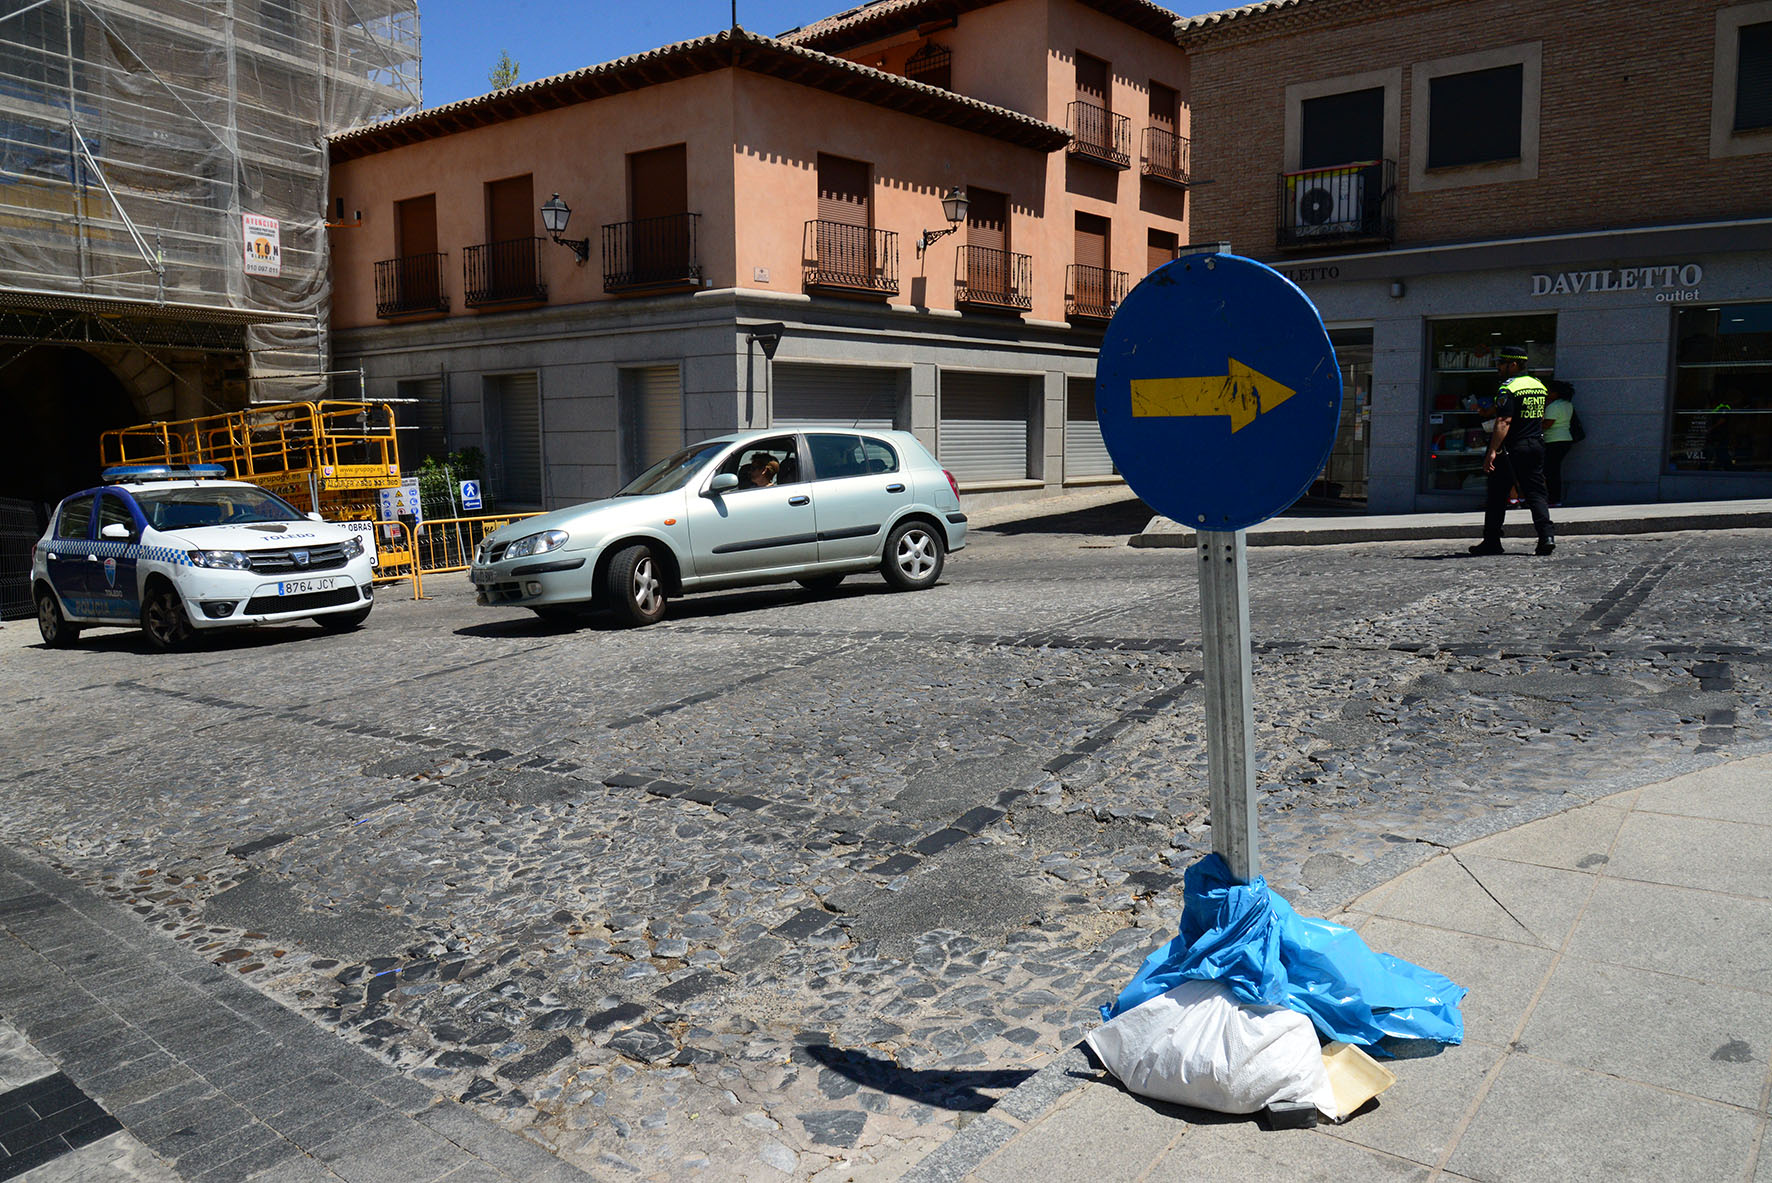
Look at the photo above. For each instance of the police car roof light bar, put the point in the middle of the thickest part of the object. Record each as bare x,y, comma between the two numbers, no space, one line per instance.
121,473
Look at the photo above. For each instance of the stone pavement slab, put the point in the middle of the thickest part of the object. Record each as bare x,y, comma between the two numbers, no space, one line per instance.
1617,1028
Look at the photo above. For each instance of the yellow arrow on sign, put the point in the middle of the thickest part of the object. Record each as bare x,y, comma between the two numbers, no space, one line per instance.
1242,394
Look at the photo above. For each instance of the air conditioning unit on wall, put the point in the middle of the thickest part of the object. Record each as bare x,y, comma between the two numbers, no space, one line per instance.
1331,202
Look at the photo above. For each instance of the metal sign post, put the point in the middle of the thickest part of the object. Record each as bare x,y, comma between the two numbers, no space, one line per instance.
1230,699
1219,397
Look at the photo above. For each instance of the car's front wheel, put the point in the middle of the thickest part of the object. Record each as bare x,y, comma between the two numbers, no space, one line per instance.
913,558
342,622
635,586
57,632
164,619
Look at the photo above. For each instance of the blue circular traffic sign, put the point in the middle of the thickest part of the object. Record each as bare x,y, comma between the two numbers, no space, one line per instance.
1218,391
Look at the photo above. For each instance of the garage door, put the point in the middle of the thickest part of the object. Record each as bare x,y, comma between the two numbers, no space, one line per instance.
516,401
652,416
984,426
834,396
1084,453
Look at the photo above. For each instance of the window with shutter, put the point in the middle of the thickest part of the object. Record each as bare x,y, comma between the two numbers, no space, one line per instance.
1753,78
1341,128
1474,118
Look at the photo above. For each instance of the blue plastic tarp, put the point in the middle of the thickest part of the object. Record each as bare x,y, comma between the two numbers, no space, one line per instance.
1245,936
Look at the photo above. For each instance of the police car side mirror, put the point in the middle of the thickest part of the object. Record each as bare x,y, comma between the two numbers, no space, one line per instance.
116,530
316,517
721,483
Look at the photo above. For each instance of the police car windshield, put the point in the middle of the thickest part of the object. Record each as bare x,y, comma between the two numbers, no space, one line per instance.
228,505
673,472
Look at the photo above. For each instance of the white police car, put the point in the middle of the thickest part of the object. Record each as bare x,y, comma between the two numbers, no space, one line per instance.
175,549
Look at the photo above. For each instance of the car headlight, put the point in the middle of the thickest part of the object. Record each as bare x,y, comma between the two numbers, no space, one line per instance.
353,546
227,560
536,544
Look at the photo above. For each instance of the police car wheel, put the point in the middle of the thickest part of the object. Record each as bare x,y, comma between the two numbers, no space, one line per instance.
57,632
342,622
164,620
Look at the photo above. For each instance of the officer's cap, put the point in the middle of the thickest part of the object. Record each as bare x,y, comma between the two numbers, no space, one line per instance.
1511,353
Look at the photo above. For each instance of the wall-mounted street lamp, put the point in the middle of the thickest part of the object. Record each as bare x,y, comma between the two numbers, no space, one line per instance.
953,207
554,215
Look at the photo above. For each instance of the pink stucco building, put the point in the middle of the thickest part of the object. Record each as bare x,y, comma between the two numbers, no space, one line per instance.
735,182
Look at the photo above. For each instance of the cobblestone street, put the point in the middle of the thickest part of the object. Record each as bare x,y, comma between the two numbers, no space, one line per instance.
794,885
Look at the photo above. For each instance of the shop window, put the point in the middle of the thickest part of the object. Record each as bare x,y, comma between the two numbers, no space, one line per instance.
1722,407
1461,392
1474,118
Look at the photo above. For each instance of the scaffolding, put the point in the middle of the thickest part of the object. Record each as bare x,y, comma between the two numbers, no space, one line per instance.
139,137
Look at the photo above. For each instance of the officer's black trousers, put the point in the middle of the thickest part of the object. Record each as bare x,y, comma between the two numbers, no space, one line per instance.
1521,464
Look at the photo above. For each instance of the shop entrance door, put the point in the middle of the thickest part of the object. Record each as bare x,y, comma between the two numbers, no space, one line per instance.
1343,482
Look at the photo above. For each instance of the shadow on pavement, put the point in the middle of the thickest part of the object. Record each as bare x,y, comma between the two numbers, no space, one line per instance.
953,1089
1126,517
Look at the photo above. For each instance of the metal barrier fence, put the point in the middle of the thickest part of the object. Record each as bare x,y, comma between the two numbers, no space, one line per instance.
395,558
19,531
447,544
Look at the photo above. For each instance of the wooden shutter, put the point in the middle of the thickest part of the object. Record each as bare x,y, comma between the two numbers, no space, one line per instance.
658,182
1092,80
844,191
1091,241
510,209
1165,102
1160,248
416,225
987,219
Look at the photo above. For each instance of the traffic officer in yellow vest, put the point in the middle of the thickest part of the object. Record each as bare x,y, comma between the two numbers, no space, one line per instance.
1516,453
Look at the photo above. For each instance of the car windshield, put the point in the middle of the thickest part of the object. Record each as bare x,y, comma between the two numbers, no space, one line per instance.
223,505
673,472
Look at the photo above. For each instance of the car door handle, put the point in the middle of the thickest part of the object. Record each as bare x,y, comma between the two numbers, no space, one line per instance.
895,487
802,499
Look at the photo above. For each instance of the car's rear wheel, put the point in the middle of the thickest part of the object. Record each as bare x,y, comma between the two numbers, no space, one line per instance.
342,622
164,619
821,583
913,558
57,632
635,586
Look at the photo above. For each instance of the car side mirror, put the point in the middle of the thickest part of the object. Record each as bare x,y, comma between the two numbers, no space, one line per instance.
115,530
316,517
722,481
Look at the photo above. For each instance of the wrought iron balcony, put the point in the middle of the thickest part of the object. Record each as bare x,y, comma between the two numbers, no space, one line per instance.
1165,156
851,259
989,278
1100,135
1349,203
410,285
651,254
1092,293
507,272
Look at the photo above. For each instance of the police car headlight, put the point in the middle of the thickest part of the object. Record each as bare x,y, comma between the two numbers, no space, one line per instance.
227,560
536,544
353,546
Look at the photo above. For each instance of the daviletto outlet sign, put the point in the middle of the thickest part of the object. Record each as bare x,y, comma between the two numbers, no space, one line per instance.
1670,284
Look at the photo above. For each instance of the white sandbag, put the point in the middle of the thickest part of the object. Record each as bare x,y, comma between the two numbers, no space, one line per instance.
1197,1045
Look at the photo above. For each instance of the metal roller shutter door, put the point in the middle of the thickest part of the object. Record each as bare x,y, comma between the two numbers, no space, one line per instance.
984,426
1084,452
519,422
834,396
655,409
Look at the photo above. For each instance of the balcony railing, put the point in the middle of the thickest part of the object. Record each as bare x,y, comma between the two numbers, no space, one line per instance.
1100,135
854,259
506,272
1354,202
1092,293
651,254
1165,156
410,285
990,278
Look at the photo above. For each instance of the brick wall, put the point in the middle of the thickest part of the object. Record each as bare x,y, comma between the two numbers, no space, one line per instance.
1624,117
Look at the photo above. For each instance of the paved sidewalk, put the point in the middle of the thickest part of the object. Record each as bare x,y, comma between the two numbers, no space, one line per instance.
124,1055
1617,1028
1300,529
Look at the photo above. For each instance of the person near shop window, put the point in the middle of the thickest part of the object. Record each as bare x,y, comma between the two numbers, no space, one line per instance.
1516,453
1559,436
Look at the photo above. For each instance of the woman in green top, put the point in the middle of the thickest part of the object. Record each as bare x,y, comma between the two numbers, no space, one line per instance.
1559,416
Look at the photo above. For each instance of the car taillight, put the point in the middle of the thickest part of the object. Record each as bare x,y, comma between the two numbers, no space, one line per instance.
952,483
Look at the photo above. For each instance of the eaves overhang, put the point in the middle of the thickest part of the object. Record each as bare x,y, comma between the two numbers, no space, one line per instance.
885,18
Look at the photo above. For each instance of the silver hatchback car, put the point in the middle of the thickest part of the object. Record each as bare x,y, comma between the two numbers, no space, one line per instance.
757,507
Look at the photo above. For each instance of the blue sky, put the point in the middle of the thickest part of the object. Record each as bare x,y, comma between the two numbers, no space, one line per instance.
461,38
